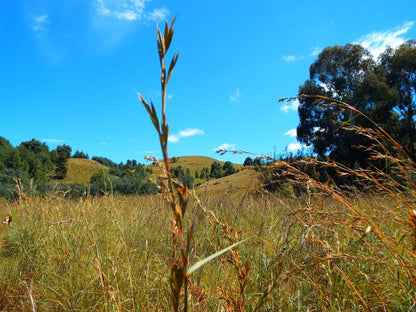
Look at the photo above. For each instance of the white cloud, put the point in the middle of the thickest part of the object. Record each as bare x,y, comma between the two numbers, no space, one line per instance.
291,132
190,132
55,141
158,14
39,23
174,138
316,51
290,106
378,41
292,58
129,10
236,96
225,146
294,147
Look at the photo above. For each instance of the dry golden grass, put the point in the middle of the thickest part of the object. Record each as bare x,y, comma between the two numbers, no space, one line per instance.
193,163
112,253
80,170
240,182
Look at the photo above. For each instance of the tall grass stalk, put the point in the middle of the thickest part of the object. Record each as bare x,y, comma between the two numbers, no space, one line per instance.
177,198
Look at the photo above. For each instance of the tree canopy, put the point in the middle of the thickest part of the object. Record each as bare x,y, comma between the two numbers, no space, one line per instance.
383,89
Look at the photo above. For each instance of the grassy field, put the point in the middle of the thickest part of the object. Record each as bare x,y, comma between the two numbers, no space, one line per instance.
309,253
80,170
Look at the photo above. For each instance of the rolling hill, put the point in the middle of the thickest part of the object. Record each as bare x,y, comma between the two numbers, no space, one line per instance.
80,171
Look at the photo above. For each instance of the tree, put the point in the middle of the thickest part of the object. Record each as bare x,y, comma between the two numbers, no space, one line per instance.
9,156
204,173
400,67
341,69
348,74
59,157
36,159
104,161
248,162
81,154
228,168
183,175
216,170
257,162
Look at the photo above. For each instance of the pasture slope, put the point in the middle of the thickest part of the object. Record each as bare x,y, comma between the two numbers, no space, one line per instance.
80,171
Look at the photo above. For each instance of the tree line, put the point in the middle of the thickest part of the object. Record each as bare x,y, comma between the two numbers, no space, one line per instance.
34,165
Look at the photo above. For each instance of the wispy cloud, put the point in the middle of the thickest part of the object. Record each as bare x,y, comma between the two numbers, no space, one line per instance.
290,106
225,146
236,96
378,41
158,14
316,51
53,141
291,132
39,23
174,138
129,10
292,58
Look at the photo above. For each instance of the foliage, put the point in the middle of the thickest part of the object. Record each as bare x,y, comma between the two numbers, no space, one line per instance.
59,158
183,175
36,159
104,161
383,90
248,161
228,168
216,170
81,154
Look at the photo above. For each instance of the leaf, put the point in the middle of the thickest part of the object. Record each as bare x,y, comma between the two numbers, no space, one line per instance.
160,45
200,263
154,118
169,34
151,111
172,65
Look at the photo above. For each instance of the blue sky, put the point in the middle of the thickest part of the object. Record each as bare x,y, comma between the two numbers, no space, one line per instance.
70,70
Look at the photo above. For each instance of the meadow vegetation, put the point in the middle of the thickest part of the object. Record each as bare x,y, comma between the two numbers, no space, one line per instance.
114,253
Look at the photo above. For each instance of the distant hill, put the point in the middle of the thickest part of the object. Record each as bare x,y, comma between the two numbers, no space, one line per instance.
80,170
193,163
241,181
